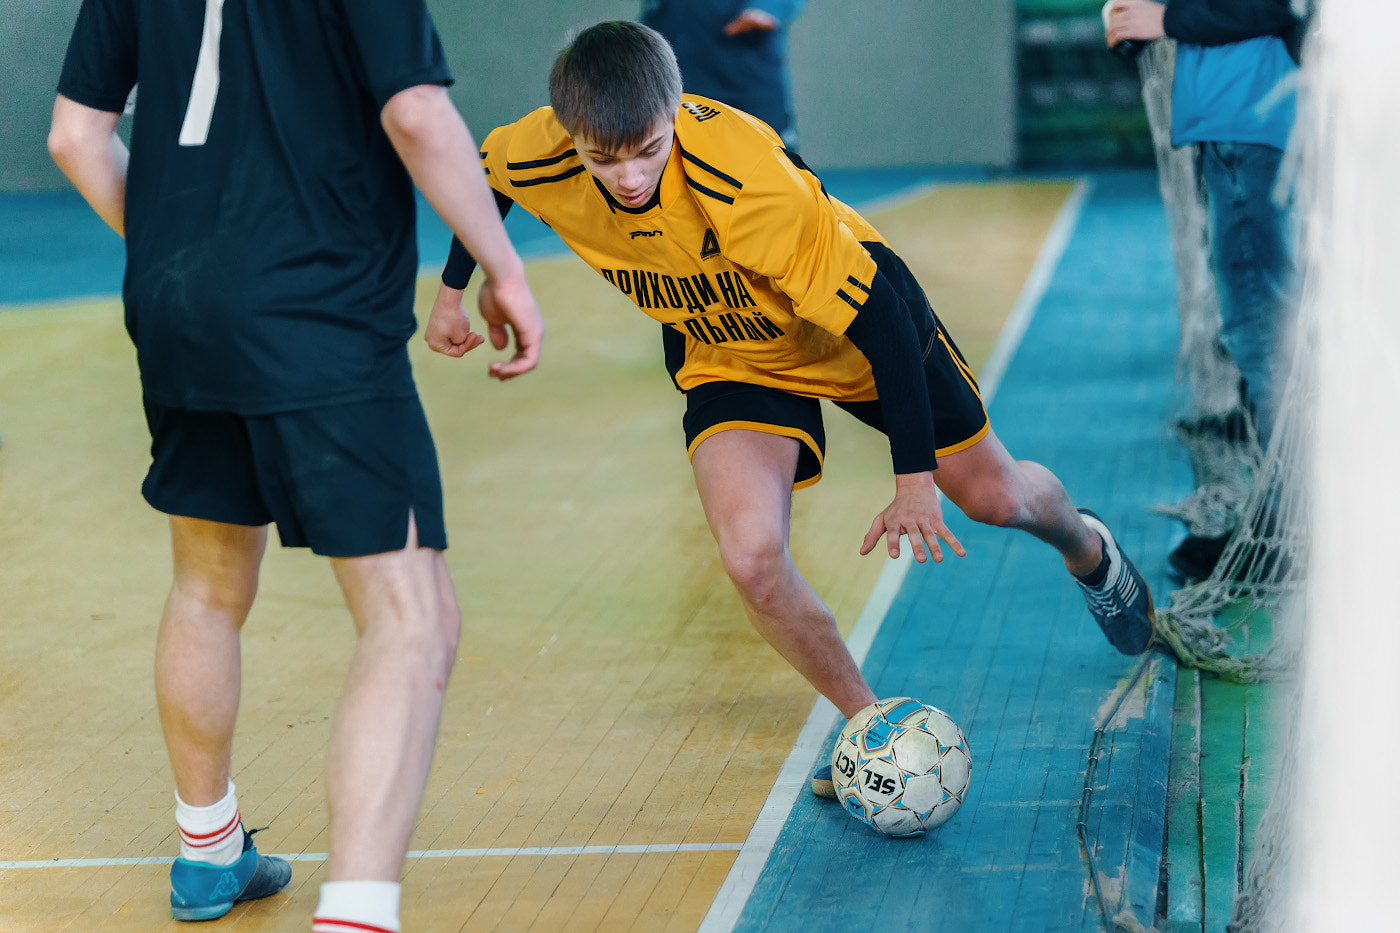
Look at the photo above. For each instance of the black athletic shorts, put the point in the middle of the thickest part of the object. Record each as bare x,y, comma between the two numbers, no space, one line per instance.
959,417
341,480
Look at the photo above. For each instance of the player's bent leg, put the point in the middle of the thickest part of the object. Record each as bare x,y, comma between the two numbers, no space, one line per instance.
745,483
990,487
385,730
198,668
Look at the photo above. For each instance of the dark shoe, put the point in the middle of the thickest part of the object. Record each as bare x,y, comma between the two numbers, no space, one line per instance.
1195,558
822,784
1263,564
1121,603
201,891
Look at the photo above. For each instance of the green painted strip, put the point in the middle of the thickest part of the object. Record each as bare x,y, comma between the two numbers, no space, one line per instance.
1222,760
1184,880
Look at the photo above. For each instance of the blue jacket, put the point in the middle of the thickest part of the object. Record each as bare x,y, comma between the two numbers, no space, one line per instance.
748,71
1235,71
1217,22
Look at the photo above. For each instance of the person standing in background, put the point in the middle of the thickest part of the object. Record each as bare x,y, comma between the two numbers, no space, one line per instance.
733,52
1234,101
267,201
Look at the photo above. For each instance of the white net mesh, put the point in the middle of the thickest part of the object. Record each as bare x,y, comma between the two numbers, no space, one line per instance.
1254,499
1259,499
1260,574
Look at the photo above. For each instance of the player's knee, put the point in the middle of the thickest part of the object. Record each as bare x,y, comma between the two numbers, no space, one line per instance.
450,630
447,634
231,598
996,506
424,636
430,621
755,565
431,648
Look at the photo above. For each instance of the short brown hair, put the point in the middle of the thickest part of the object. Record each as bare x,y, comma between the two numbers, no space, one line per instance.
613,82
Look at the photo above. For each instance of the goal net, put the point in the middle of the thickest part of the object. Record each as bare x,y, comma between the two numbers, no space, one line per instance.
1315,517
1254,497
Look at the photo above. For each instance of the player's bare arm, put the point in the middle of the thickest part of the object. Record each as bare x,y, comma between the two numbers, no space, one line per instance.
438,149
85,145
916,513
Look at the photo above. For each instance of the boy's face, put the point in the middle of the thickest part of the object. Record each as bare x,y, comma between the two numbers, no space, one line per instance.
630,175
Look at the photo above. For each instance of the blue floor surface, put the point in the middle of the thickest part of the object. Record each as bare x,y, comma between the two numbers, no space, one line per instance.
1001,639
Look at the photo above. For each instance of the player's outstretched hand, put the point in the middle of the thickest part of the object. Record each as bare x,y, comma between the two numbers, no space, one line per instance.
449,329
915,512
508,307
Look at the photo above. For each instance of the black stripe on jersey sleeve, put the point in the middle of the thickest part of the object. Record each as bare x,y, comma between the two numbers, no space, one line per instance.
709,191
858,284
529,182
539,163
712,170
841,293
796,160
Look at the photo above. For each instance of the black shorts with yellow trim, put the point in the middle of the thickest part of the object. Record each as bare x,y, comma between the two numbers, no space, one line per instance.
959,417
738,406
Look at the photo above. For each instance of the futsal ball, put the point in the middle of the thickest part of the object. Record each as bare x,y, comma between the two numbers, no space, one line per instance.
901,767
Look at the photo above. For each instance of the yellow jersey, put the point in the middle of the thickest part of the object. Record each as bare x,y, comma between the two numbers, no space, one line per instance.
741,251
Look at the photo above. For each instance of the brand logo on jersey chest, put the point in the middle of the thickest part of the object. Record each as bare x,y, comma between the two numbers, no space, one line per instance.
709,246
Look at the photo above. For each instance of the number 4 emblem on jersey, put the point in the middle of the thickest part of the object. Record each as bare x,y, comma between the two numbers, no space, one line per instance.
204,90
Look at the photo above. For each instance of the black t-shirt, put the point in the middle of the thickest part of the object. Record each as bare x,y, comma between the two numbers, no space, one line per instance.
271,250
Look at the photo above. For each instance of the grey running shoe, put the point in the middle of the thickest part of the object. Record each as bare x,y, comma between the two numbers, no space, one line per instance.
822,785
1121,604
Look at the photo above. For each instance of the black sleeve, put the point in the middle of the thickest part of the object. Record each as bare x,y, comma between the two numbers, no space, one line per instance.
673,350
885,334
460,263
1218,22
99,69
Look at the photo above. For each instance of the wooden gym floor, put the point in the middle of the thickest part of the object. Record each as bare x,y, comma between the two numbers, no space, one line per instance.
619,750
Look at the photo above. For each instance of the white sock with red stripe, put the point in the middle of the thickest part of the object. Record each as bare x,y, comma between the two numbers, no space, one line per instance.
210,834
357,907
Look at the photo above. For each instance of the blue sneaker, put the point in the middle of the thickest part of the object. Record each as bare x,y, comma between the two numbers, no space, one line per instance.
822,784
200,891
1121,604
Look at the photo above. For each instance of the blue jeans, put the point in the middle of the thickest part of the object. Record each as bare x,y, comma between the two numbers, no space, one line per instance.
1253,251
